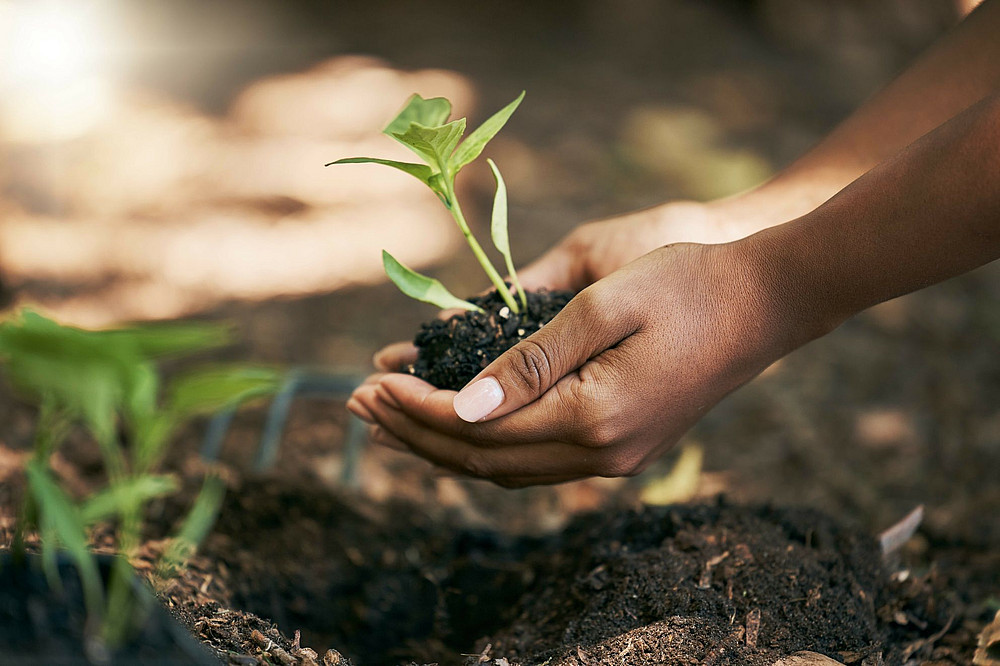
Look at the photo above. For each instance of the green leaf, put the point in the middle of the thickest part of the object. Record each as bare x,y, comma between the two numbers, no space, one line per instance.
498,225
422,172
208,390
498,230
127,495
158,340
421,287
61,516
428,112
434,144
477,140
151,435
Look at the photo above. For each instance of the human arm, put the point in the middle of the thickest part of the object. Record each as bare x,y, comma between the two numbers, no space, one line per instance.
956,72
636,359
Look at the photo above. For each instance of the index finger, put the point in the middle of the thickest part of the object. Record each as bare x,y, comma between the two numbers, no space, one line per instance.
395,357
558,415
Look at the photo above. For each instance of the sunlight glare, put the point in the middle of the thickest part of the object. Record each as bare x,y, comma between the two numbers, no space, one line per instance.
51,54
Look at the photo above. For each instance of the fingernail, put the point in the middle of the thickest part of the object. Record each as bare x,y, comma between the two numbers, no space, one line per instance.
477,401
378,360
355,407
380,437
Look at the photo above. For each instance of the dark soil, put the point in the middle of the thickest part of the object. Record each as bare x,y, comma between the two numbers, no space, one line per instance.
452,352
413,579
716,584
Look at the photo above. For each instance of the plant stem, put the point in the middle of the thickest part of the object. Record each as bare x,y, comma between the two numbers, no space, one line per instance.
517,283
50,430
477,249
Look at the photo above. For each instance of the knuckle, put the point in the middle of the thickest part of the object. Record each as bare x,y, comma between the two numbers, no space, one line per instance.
598,310
532,366
603,427
591,301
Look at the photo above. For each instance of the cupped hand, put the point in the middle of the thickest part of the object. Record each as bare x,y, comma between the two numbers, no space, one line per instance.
596,249
603,389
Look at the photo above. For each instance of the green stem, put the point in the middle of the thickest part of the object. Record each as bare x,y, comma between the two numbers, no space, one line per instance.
517,283
477,249
50,430
26,521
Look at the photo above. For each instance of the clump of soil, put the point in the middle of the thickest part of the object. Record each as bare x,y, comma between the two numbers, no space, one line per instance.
452,352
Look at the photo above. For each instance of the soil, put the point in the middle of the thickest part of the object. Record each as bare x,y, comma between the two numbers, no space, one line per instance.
424,576
898,407
715,583
452,352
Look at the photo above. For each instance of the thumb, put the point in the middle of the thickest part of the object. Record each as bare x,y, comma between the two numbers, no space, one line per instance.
556,269
531,367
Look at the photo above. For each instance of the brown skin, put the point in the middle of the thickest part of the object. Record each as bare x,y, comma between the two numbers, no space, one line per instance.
659,337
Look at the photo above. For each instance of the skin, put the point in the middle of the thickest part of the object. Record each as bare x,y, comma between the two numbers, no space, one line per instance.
903,194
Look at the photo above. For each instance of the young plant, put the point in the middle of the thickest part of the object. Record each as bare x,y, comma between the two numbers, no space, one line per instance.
108,382
423,126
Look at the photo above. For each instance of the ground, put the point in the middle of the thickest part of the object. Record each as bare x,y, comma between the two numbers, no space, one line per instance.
894,409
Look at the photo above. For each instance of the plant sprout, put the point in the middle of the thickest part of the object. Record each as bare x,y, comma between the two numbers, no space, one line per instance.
423,127
108,382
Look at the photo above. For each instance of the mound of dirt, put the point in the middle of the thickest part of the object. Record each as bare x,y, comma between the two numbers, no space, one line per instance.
701,584
715,584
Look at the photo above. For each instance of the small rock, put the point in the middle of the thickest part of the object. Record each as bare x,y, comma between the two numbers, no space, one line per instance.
988,651
806,658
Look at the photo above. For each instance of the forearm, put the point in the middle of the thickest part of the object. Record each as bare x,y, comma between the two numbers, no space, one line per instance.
959,70
928,214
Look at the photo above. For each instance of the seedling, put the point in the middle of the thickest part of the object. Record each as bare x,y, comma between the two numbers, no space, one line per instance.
107,382
423,127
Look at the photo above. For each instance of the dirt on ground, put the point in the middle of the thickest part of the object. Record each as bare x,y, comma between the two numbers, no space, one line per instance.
394,562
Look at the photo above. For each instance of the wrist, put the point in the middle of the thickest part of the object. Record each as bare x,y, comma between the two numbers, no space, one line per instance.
792,193
780,264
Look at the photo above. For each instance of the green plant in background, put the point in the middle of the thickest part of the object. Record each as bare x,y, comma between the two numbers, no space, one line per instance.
423,127
108,382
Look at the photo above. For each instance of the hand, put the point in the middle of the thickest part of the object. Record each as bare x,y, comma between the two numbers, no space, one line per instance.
597,249
607,386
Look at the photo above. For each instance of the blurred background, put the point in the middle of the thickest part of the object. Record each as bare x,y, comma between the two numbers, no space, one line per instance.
164,159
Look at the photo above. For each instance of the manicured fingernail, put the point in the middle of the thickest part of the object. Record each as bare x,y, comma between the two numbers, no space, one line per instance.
477,401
